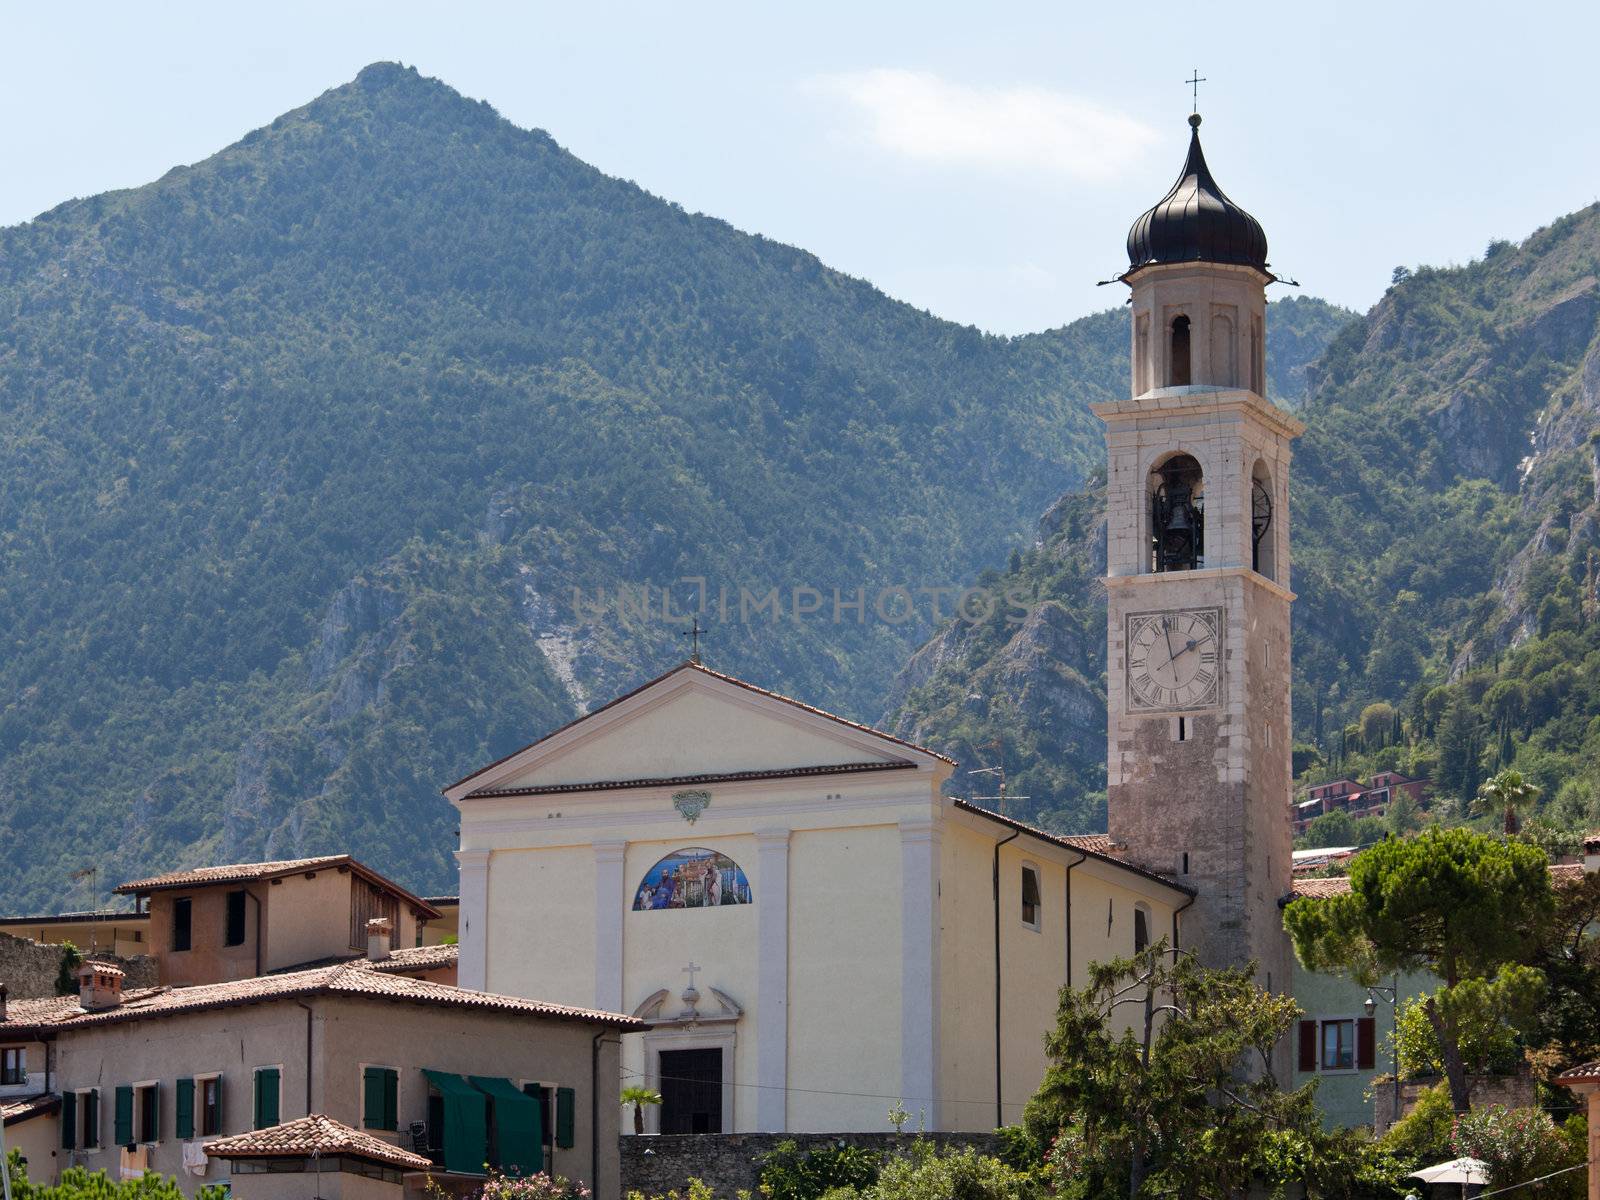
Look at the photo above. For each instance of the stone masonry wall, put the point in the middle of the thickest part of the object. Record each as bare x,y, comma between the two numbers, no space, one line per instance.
731,1162
29,968
1513,1091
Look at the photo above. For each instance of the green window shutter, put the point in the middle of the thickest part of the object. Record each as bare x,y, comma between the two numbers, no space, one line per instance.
566,1103
518,1145
185,1103
391,1099
222,1113
69,1121
124,1116
153,1134
266,1108
466,1124
372,1098
91,1120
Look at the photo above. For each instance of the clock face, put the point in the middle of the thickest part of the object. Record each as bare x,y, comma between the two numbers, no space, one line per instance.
1174,659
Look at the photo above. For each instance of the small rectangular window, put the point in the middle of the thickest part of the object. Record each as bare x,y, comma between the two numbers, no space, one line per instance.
1339,1045
14,1065
210,1103
181,914
380,1095
1141,929
147,1105
1030,897
1183,729
89,1119
265,1114
233,934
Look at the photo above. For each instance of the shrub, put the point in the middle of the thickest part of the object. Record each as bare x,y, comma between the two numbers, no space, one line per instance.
542,1186
1517,1144
786,1174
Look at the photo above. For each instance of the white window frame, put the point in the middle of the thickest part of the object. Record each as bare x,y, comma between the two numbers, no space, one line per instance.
200,1080
139,1131
77,1141
1355,1045
361,1091
21,1051
1037,924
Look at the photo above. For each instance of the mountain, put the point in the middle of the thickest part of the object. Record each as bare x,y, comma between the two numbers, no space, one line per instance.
1446,550
334,466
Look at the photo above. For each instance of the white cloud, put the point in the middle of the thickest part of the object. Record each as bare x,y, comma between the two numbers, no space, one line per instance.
927,119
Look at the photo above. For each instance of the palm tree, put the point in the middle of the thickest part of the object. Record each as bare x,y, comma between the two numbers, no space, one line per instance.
639,1097
1510,793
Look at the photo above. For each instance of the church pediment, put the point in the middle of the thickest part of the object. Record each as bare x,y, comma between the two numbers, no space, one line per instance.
691,726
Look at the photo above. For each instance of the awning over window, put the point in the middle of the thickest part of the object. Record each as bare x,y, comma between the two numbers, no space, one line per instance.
466,1130
519,1142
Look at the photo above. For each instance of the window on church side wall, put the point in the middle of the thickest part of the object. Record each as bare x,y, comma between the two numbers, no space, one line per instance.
693,877
1178,360
1141,928
1030,897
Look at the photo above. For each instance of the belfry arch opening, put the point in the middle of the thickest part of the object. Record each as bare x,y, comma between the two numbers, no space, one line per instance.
1263,538
1177,515
1178,374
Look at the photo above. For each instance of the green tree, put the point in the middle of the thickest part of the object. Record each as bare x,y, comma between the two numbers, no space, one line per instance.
639,1097
1184,1100
1508,794
1460,743
1460,904
1377,725
1330,829
77,1183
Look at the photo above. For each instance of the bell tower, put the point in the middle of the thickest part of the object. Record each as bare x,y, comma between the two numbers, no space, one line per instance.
1197,577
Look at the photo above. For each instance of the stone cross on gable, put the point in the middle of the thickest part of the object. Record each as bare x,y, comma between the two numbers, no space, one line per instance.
690,970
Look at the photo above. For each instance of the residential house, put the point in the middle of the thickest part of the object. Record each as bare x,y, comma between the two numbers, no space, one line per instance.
144,1078
213,924
1371,799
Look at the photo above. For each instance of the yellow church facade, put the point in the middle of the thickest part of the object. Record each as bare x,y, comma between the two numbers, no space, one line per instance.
814,931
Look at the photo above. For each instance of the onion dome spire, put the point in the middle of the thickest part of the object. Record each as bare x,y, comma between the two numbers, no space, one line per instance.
1196,222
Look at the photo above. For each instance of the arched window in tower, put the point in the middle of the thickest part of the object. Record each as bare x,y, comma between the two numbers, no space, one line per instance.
1178,359
1263,559
1222,351
1177,515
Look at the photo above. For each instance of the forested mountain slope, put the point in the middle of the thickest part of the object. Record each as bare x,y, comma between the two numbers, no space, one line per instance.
322,462
1444,510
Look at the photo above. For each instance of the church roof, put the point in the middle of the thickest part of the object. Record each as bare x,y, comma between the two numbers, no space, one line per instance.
1095,845
1196,222
661,782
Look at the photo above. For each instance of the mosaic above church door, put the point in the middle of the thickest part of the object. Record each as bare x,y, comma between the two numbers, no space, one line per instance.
693,877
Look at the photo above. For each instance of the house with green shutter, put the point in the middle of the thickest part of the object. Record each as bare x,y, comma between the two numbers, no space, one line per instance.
452,1082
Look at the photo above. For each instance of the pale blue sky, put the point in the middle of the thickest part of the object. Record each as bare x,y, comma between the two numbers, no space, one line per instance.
979,160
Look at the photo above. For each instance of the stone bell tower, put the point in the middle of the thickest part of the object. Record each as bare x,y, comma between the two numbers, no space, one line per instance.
1197,576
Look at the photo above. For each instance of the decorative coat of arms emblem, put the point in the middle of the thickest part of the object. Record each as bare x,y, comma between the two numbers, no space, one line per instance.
691,804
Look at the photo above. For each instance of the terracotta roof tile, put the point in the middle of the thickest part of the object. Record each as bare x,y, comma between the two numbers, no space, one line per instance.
415,958
705,670
314,1135
345,979
23,1107
1087,843
1586,1072
1319,889
258,871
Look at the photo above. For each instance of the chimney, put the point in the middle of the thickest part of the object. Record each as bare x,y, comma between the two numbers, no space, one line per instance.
99,986
379,933
1591,852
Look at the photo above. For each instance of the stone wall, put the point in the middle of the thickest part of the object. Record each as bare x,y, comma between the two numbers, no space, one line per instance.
730,1162
1513,1091
29,968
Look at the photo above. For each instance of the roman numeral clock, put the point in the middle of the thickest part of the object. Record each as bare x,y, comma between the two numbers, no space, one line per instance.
1173,659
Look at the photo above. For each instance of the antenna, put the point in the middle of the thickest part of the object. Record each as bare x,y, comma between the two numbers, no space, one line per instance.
92,874
998,745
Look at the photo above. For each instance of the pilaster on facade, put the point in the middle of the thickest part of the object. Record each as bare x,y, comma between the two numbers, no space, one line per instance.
920,839
610,895
472,968
772,980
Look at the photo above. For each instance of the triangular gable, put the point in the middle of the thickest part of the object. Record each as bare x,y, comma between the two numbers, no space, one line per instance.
694,722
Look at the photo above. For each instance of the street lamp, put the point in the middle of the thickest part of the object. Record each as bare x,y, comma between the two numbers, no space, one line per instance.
1391,997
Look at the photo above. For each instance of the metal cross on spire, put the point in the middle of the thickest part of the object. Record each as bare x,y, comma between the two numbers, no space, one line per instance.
1195,81
693,634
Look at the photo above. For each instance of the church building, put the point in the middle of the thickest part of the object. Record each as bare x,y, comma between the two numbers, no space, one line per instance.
814,931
